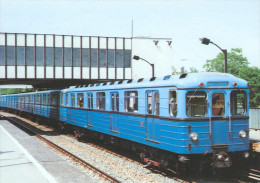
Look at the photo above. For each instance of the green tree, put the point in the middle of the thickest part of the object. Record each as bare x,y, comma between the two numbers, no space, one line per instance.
238,65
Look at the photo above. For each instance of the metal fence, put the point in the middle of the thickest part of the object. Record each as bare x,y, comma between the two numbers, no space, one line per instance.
254,120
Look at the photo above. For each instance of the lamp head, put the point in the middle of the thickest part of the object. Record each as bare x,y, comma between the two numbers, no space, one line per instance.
136,57
205,41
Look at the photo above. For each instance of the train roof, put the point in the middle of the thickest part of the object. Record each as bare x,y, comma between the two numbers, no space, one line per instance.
183,81
36,92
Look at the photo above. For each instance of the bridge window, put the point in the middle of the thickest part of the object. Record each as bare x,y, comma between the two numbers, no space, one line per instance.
238,103
102,58
131,101
49,56
2,55
58,57
30,56
94,57
90,100
85,57
76,57
20,52
10,55
80,99
196,103
67,57
72,100
101,100
39,56
173,103
111,58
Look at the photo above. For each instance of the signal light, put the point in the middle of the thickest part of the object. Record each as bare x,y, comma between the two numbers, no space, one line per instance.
235,84
201,84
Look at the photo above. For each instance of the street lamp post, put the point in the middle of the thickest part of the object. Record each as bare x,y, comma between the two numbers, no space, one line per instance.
152,65
206,41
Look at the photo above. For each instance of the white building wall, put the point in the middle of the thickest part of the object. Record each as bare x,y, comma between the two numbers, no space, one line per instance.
160,54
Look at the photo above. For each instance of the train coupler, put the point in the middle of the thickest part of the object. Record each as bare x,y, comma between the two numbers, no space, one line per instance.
221,160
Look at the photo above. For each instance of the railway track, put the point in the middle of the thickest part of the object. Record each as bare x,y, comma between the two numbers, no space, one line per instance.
73,157
237,174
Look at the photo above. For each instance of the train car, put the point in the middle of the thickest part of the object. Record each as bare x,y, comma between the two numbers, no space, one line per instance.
169,121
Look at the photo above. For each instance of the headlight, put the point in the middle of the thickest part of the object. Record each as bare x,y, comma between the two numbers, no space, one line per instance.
246,154
242,134
194,136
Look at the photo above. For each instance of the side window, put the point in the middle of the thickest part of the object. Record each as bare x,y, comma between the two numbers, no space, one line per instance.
37,99
101,100
218,104
173,103
114,102
44,99
196,103
131,101
90,101
67,100
61,99
72,100
80,99
238,103
153,103
49,99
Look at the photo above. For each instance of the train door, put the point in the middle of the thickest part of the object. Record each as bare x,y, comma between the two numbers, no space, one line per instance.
152,120
218,124
90,107
114,108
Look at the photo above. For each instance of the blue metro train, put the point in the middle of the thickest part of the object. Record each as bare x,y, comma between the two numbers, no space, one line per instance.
169,121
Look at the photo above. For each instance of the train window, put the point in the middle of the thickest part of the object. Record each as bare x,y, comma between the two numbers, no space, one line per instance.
114,101
101,100
80,99
196,103
54,99
173,103
44,99
67,100
131,101
72,100
49,99
238,103
90,100
61,99
153,98
37,99
218,104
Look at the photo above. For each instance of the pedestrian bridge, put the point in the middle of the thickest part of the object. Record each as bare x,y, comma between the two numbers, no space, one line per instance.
45,60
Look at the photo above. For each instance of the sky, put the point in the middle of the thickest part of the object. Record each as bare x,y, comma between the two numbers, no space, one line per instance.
228,23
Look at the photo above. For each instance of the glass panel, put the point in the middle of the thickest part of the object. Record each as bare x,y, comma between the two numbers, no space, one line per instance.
76,57
111,58
85,57
30,56
101,100
80,100
196,103
58,57
67,57
2,55
149,103
94,54
238,103
49,56
72,100
90,101
10,50
113,102
39,56
127,58
218,104
119,58
131,101
173,103
20,51
117,102
102,58
157,103
67,100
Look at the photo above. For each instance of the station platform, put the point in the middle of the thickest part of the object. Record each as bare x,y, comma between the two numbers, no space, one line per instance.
24,159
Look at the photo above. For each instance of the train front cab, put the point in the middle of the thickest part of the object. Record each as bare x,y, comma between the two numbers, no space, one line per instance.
226,137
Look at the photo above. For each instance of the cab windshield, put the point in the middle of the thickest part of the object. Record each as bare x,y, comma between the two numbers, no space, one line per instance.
238,102
196,103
